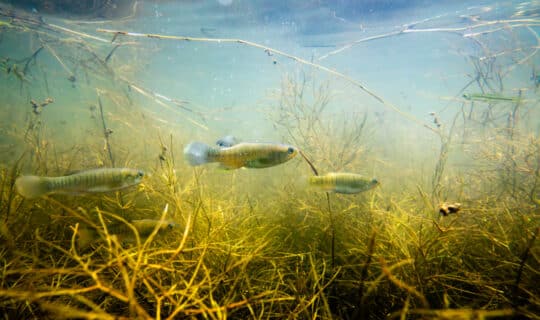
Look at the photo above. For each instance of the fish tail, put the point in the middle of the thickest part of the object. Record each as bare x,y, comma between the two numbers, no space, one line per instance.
32,186
196,153
320,181
310,182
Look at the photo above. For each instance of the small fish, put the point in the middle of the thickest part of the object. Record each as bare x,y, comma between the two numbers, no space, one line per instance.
124,233
90,181
144,227
227,141
347,183
249,155
488,97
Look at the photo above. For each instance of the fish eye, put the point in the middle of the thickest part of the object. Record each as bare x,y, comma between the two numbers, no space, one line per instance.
170,225
140,174
374,181
290,150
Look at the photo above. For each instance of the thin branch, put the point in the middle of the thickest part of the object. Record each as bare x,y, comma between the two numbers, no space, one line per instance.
269,50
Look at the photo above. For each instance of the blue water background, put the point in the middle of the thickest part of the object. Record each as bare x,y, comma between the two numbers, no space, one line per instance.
235,85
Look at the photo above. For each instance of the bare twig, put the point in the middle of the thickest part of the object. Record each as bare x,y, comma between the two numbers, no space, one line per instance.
106,131
280,53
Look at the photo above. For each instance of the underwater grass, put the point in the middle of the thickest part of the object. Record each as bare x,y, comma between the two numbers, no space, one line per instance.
229,258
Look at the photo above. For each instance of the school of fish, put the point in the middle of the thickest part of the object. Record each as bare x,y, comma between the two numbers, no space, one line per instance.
229,152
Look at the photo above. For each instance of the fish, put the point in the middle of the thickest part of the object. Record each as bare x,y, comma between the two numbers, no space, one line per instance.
124,233
488,97
245,154
144,227
83,182
342,182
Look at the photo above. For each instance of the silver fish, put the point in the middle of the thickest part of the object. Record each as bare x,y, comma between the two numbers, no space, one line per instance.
342,182
245,154
90,181
144,227
227,141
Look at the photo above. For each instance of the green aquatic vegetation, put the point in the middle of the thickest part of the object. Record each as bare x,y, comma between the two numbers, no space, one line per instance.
445,135
229,257
332,142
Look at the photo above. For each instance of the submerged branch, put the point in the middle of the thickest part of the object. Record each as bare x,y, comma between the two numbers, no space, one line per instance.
106,131
280,53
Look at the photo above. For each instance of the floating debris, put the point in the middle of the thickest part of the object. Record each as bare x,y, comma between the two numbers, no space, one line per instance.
37,108
448,208
436,120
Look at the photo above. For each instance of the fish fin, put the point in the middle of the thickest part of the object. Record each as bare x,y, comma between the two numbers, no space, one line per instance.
32,186
260,163
230,166
72,193
196,153
227,141
97,189
112,186
303,182
310,180
72,172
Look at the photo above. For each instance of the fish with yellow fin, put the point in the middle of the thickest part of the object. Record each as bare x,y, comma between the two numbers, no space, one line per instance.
342,182
244,154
